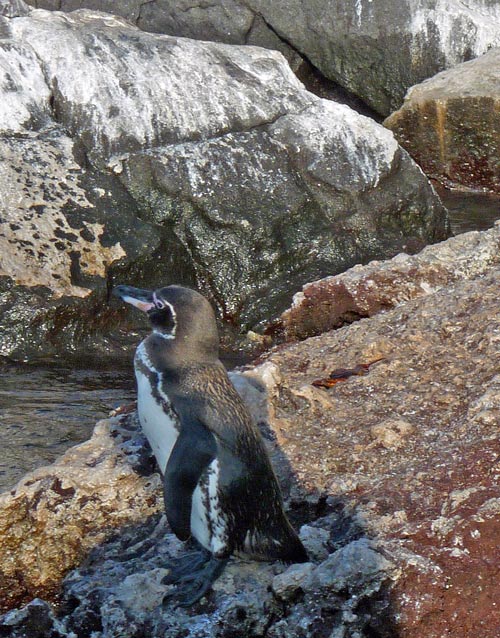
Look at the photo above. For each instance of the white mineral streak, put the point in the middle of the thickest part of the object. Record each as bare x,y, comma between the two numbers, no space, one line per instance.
462,26
35,236
363,9
360,150
153,89
24,88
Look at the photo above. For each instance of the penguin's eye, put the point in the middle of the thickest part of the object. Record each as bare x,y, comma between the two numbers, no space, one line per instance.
159,304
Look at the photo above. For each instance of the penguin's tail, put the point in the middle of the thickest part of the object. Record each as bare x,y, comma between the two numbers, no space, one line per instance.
293,551
283,544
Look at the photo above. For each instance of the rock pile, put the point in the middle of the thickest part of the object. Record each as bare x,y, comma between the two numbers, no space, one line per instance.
245,187
392,476
376,50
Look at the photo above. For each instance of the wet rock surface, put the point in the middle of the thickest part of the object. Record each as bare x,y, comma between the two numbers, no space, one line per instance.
267,243
245,189
450,124
392,478
376,50
61,228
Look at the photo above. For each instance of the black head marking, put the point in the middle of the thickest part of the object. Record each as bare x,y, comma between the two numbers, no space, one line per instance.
163,317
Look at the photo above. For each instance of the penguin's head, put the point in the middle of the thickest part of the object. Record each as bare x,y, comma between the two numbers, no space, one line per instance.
180,315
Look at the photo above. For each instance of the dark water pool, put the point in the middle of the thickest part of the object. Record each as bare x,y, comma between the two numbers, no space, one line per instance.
470,211
45,411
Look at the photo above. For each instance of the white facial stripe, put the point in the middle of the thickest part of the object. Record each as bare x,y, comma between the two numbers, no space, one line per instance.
170,335
156,300
174,317
142,305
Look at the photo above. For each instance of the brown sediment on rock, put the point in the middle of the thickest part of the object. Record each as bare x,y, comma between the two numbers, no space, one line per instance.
450,124
412,447
54,516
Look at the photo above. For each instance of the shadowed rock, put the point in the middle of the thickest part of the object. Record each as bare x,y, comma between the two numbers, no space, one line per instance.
364,291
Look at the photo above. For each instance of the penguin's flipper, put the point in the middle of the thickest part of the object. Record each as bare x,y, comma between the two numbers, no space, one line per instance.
192,453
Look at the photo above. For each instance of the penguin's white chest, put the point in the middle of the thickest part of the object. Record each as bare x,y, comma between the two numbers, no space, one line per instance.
157,422
161,428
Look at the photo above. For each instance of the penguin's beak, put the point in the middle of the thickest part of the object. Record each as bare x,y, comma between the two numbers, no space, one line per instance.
142,299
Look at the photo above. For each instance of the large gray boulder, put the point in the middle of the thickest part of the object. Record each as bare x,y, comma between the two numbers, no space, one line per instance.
377,50
264,210
149,159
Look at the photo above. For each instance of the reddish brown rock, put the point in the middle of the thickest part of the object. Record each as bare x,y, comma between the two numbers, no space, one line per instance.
364,291
428,491
450,124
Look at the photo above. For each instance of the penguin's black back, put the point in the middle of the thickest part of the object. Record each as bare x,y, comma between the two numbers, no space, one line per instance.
248,489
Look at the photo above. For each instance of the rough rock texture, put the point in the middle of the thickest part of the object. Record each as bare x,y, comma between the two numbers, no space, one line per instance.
14,8
133,169
61,228
413,446
118,592
450,124
273,201
395,473
363,291
56,514
377,50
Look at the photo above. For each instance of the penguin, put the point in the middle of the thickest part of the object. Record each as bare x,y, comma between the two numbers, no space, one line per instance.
219,485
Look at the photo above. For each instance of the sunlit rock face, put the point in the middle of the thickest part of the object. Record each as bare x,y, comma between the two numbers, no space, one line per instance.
375,48
52,518
379,48
450,124
150,159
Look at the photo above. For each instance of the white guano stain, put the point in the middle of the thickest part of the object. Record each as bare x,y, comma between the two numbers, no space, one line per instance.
24,90
152,89
339,146
462,27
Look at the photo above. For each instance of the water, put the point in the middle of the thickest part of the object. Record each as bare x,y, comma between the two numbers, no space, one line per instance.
45,411
470,211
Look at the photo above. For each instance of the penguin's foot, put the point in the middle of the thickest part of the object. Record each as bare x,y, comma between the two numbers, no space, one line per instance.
193,576
188,564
